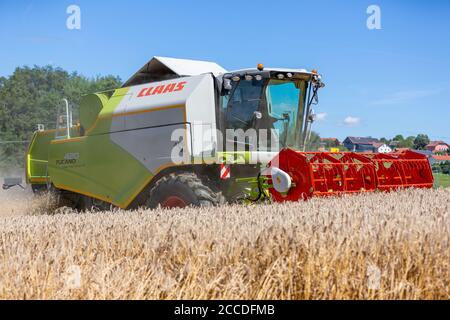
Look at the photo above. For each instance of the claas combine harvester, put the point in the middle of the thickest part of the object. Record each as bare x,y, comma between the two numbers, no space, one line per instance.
163,139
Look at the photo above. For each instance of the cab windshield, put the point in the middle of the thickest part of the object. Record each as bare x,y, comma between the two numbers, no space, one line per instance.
268,104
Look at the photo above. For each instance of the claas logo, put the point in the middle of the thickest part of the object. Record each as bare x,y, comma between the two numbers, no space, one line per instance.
161,89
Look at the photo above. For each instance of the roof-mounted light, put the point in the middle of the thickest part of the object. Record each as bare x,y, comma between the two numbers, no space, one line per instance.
260,67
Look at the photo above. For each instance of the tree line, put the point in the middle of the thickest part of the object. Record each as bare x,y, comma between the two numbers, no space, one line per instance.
30,96
418,142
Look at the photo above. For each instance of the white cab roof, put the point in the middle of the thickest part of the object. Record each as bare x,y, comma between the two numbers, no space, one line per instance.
187,67
163,68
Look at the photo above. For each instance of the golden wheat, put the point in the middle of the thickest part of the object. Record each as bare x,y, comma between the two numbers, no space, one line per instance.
374,246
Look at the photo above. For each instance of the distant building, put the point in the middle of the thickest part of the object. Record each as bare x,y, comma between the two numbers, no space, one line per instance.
360,144
437,146
381,147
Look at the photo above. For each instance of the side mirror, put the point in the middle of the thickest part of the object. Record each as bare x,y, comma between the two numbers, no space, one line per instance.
227,84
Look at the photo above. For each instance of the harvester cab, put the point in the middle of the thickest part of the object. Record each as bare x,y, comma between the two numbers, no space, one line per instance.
278,101
185,132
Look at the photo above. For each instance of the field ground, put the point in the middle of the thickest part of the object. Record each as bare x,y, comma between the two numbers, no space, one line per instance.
375,246
442,180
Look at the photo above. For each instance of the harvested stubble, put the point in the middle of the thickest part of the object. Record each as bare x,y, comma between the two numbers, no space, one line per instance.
389,246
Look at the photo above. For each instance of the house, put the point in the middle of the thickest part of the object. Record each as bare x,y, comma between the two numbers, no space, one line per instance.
437,146
381,147
360,144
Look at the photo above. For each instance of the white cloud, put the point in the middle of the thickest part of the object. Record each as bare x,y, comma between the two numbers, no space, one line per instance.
405,97
352,121
321,116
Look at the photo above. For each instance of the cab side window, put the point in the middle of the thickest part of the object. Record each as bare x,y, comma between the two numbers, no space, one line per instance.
242,104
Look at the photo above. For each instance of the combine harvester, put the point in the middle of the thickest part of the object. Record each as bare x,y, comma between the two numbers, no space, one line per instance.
157,141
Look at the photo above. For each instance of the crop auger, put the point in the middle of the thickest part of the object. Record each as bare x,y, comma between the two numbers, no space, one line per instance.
309,174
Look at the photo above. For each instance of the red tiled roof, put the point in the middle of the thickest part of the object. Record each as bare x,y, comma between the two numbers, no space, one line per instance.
436,143
441,158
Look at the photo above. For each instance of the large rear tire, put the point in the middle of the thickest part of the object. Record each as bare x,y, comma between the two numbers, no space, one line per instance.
178,190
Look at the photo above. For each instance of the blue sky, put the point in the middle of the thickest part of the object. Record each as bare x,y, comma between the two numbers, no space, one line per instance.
379,82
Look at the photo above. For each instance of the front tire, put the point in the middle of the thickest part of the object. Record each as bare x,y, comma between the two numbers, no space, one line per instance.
179,190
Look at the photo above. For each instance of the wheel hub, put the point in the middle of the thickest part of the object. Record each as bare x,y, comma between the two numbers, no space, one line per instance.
173,202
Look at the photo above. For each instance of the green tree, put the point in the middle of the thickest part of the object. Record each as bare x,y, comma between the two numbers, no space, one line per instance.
421,141
407,143
31,96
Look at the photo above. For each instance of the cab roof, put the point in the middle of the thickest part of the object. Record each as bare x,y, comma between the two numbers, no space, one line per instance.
164,68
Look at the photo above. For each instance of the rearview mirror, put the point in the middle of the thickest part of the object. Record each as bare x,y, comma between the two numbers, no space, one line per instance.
227,84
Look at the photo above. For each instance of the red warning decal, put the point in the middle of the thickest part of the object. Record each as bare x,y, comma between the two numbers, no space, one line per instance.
225,171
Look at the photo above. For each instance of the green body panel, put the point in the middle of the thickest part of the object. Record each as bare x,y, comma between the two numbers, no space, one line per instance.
102,169
92,164
37,154
90,107
103,123
37,157
97,167
236,157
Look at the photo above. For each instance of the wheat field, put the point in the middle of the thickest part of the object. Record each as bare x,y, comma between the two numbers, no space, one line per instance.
375,246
